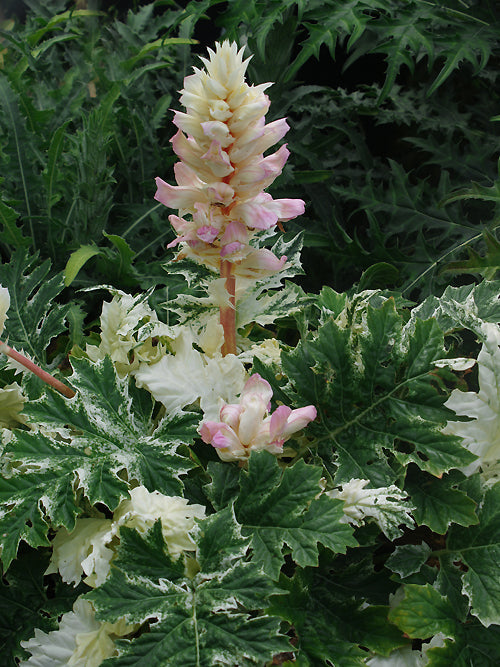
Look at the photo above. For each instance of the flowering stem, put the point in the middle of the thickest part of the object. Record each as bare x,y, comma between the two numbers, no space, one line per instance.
228,311
43,375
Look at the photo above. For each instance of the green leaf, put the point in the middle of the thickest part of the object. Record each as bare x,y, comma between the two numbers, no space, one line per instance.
125,253
33,319
26,603
109,441
468,48
62,18
473,644
449,583
486,265
196,621
438,503
408,558
372,380
406,37
330,623
76,260
28,499
11,233
53,165
264,308
17,133
424,612
224,485
478,548
341,20
463,307
277,508
378,275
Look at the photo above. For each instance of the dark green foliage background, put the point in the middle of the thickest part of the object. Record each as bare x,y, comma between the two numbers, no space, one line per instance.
391,106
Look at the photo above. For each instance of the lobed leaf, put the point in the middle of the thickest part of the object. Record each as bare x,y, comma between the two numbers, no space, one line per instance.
424,612
34,318
372,381
277,508
99,441
478,548
196,621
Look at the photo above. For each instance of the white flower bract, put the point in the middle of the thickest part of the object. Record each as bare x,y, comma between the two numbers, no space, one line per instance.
11,404
90,547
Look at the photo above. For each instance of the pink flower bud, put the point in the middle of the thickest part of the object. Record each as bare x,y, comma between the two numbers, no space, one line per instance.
248,425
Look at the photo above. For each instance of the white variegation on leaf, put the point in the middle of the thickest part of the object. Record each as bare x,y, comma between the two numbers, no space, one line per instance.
387,505
11,404
458,364
83,551
80,641
187,376
4,306
90,547
176,514
406,656
268,351
481,436
128,327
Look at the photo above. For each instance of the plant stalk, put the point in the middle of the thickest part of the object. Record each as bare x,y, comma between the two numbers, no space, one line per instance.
228,311
39,372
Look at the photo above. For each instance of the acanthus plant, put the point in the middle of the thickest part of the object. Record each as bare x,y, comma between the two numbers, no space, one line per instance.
204,494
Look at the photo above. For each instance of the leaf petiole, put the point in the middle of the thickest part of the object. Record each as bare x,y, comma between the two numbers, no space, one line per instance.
36,370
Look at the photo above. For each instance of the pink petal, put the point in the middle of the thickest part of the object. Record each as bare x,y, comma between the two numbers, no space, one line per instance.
234,239
186,176
248,113
182,198
258,386
263,212
220,193
251,179
217,131
183,228
261,262
299,419
287,209
188,124
219,435
220,441
256,213
189,152
218,160
258,139
235,231
252,416
230,414
278,421
208,430
274,163
207,233
232,248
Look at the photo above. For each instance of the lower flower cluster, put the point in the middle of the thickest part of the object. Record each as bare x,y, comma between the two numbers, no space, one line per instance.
250,426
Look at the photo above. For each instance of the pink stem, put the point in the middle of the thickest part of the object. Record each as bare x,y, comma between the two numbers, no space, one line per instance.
228,312
43,375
